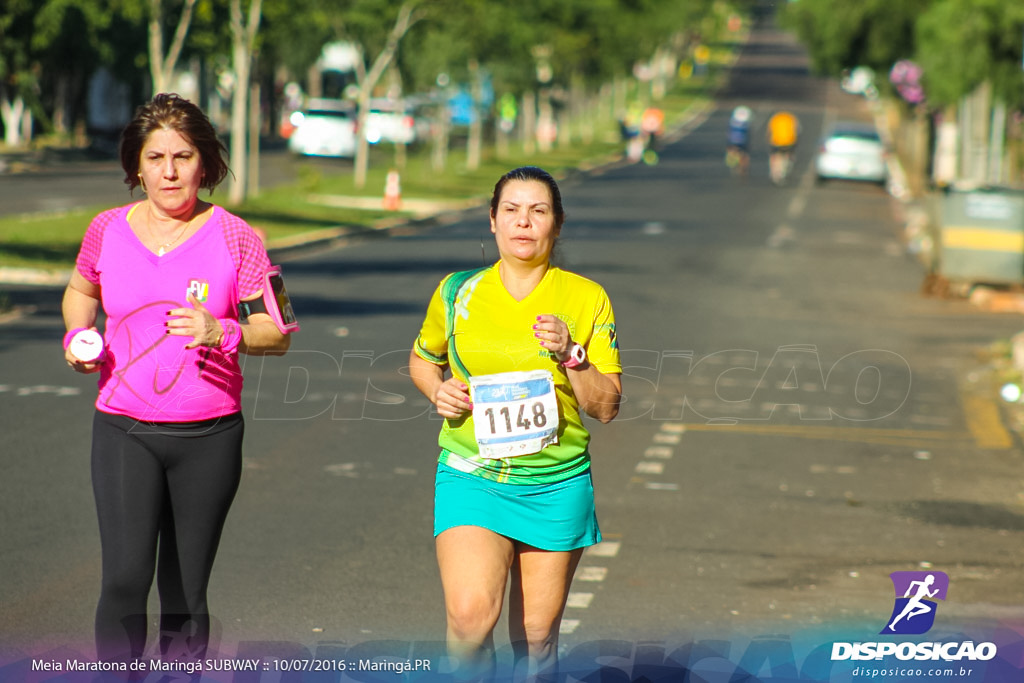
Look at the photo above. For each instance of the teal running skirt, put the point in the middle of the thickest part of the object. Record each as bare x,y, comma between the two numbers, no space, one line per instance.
558,516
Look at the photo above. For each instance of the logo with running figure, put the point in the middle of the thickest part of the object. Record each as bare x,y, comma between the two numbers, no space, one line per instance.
916,593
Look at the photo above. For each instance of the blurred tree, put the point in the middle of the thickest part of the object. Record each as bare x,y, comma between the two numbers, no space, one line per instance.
67,46
19,86
163,64
964,43
244,28
971,54
550,46
843,35
294,33
363,27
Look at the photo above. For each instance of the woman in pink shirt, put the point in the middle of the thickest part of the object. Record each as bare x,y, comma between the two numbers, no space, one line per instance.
168,273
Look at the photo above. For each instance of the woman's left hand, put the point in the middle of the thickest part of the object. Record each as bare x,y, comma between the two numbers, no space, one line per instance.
553,334
195,322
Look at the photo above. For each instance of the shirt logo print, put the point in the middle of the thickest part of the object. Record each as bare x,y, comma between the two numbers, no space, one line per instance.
199,289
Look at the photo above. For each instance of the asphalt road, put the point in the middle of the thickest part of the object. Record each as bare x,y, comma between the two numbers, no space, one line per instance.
799,423
56,182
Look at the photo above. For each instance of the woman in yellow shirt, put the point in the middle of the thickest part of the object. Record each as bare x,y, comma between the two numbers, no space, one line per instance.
511,355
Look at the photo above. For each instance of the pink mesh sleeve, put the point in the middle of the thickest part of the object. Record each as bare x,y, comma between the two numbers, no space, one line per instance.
92,244
249,255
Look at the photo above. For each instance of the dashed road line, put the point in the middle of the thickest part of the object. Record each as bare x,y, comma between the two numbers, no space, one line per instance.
604,549
579,600
663,452
650,467
592,574
903,437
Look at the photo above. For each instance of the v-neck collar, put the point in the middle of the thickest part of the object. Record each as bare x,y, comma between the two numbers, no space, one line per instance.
190,242
528,297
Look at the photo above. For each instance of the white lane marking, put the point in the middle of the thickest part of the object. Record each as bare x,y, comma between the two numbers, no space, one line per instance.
797,206
568,626
592,574
579,600
667,438
831,469
673,427
47,389
663,452
342,469
655,486
781,236
648,467
604,549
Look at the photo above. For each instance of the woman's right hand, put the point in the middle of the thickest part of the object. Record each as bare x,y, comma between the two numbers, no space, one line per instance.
452,399
80,365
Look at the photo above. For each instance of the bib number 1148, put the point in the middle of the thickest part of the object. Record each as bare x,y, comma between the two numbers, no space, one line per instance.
514,413
525,421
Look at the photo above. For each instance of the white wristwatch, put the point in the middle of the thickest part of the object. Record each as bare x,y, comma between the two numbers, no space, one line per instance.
577,356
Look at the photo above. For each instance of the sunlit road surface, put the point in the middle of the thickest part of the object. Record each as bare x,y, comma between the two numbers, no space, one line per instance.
798,423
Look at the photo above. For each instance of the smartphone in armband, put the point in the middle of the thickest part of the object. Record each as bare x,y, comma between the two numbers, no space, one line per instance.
275,302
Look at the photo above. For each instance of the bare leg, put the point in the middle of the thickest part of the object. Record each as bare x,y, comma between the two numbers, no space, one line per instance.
474,564
540,586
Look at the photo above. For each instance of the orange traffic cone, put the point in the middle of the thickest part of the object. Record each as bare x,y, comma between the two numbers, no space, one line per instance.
392,191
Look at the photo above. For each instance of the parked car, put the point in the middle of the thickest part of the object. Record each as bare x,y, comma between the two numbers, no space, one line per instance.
390,121
852,151
325,128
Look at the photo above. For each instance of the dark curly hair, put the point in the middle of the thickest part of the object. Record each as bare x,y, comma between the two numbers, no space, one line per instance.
168,111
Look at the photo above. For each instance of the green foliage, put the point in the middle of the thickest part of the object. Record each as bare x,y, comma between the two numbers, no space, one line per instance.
51,241
963,43
842,35
958,43
592,40
15,47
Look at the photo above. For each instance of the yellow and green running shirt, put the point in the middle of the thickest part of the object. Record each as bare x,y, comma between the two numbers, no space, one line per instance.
474,326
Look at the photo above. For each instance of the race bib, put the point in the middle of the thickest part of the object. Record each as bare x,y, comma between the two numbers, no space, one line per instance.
514,413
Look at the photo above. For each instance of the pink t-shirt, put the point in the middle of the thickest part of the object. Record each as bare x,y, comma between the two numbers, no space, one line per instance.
148,374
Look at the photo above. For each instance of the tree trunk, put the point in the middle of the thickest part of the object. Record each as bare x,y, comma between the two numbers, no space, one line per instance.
945,155
60,104
406,18
11,112
975,117
161,67
362,165
997,144
528,115
440,135
474,144
243,35
254,141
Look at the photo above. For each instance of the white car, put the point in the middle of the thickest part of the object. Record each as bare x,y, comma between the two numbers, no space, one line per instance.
390,121
852,151
325,128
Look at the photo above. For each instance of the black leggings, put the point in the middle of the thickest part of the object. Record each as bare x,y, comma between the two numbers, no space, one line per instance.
174,482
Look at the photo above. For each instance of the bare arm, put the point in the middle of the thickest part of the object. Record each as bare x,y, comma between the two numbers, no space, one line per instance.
260,337
81,308
450,396
598,394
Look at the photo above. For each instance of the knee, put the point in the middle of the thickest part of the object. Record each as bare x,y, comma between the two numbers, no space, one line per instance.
472,616
540,637
125,588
